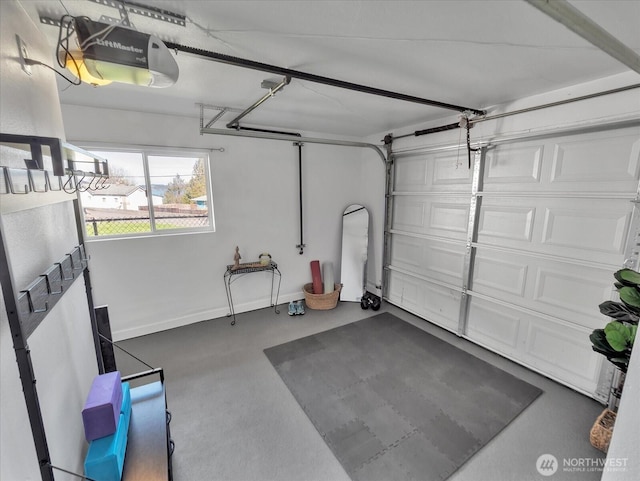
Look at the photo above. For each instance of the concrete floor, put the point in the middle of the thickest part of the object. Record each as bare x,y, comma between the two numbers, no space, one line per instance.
235,420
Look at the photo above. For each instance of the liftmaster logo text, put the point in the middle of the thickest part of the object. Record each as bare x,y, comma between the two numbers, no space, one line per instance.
119,46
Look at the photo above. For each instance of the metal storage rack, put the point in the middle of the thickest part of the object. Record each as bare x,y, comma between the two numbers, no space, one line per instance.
45,170
150,445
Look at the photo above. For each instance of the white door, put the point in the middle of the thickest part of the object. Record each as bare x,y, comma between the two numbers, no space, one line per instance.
518,259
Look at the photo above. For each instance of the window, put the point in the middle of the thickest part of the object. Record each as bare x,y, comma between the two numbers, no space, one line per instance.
149,192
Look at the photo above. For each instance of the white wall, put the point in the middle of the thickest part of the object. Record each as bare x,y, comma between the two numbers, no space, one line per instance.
162,282
38,230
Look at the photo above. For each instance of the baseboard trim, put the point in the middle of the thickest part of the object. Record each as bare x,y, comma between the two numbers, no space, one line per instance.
208,315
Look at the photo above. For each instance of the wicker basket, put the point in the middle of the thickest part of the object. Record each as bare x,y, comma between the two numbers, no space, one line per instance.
600,435
321,301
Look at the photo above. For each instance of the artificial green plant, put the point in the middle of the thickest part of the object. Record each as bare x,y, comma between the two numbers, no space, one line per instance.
616,340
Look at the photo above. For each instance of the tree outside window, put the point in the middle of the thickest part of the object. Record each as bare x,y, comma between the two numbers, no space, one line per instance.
149,192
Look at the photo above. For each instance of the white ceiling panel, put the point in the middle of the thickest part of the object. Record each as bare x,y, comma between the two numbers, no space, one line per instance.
467,52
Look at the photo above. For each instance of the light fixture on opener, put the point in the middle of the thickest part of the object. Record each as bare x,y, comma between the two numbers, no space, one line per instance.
74,62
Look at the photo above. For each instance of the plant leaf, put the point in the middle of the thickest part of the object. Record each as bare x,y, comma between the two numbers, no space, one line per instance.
617,326
617,336
633,330
607,354
628,277
600,344
617,310
630,296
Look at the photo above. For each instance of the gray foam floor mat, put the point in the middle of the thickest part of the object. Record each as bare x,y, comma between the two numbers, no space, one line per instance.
394,402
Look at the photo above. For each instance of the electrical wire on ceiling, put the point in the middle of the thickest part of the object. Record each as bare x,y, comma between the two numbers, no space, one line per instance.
66,23
30,61
67,58
95,38
64,6
63,44
207,32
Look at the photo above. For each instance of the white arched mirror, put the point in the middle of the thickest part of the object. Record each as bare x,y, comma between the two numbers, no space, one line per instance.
355,242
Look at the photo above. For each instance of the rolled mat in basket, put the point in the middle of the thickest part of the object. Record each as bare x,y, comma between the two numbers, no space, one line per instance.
316,277
321,301
327,277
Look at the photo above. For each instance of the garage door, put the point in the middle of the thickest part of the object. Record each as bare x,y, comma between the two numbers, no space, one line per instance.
517,253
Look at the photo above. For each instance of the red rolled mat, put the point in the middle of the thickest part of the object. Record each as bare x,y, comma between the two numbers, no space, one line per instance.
316,278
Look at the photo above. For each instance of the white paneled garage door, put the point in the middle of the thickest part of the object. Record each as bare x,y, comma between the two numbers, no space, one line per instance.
518,258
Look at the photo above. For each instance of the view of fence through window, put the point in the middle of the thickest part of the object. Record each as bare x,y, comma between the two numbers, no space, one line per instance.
171,194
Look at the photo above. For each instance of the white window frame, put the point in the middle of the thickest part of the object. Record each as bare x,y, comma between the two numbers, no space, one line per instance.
146,151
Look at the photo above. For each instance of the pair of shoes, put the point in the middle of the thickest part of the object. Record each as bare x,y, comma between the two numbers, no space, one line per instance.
293,308
296,308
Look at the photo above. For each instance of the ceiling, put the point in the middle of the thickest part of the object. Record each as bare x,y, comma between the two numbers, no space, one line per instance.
467,52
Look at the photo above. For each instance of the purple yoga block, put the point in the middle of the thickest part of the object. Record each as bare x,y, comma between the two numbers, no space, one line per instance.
102,409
